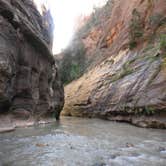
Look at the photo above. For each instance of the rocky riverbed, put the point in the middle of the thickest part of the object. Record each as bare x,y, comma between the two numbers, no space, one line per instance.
83,142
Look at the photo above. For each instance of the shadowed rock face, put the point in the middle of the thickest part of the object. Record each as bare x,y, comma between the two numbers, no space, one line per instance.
29,80
127,81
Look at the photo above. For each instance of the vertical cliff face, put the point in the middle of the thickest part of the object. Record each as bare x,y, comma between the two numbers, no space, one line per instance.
29,80
126,80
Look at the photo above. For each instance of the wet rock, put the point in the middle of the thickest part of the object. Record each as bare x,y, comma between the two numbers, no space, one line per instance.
113,156
135,154
129,145
71,147
161,149
41,145
99,164
29,78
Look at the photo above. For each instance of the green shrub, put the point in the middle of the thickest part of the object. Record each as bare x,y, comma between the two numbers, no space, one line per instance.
132,44
157,20
136,29
147,110
73,63
163,43
96,18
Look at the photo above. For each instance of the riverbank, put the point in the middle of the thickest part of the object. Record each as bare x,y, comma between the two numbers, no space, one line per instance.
157,121
9,123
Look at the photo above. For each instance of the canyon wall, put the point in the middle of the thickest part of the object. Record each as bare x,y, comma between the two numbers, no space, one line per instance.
29,80
126,77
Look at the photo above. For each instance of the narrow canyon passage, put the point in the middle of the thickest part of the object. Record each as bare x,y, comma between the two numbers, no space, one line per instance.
82,83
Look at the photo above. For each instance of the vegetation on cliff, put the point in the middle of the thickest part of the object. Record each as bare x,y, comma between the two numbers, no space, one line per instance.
76,59
125,53
72,65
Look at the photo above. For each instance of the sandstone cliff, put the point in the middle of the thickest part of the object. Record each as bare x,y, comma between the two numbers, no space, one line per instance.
29,80
126,79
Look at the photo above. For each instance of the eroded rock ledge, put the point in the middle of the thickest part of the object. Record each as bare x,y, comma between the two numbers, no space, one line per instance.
127,78
30,87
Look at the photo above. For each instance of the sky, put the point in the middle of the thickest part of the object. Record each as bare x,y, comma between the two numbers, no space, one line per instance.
65,14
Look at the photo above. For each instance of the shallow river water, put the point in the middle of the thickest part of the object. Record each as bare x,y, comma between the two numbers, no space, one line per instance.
83,142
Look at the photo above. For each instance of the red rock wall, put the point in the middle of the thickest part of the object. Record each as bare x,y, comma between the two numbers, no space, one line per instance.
126,80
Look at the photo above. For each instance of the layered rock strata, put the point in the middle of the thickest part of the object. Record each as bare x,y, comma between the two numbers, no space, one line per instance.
127,78
29,80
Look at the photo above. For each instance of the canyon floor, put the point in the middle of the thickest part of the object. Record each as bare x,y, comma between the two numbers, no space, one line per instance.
83,142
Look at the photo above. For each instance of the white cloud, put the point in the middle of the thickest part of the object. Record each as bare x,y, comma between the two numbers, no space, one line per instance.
65,13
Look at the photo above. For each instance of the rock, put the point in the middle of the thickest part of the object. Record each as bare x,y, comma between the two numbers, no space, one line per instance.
113,156
71,147
129,145
5,124
99,164
125,80
161,149
41,145
21,114
29,79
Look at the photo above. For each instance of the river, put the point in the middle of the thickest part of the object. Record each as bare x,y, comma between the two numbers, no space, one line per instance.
83,142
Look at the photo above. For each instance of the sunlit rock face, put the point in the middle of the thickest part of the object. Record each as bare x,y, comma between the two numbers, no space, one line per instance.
29,80
126,79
